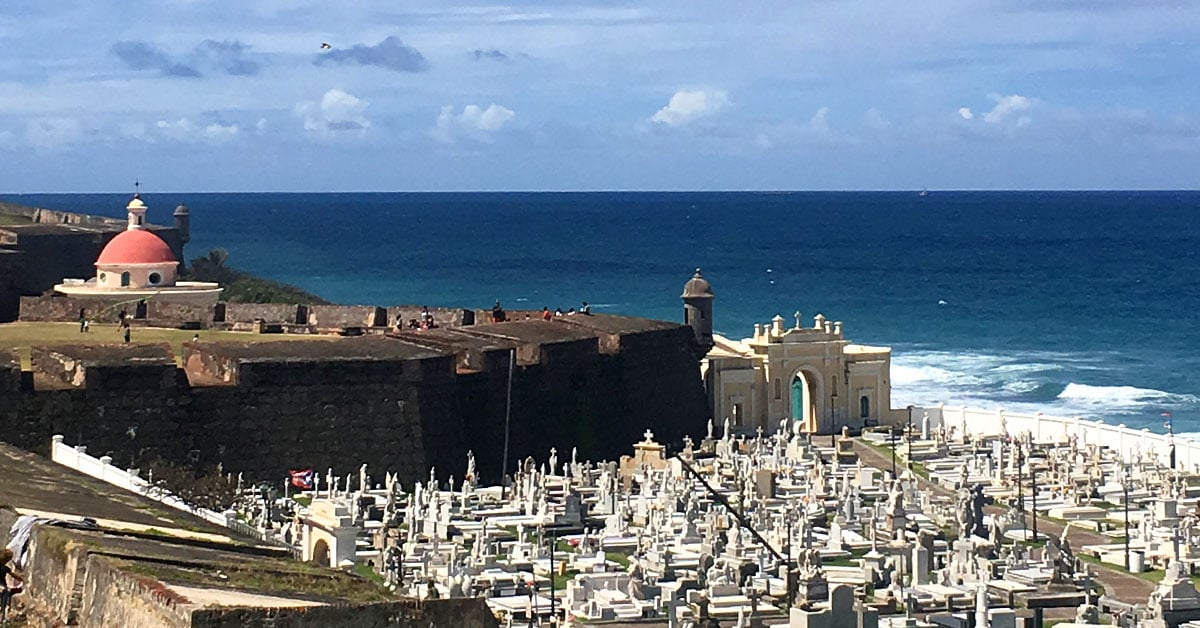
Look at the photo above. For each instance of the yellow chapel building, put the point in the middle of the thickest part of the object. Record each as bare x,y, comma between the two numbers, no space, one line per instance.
809,375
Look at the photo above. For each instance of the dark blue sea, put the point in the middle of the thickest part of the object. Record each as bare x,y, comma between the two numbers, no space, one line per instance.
1071,303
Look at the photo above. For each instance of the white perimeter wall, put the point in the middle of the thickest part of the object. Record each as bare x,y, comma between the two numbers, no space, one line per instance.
1128,442
101,468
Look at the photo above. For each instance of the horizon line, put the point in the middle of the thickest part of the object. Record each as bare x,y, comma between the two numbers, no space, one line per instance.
930,191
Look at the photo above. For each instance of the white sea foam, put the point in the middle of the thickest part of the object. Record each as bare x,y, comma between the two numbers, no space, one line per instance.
1121,397
993,381
904,375
1020,386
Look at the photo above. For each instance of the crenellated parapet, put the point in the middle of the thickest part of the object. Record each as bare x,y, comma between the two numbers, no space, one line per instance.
105,367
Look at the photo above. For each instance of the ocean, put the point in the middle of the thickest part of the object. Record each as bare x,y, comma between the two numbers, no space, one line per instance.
1068,303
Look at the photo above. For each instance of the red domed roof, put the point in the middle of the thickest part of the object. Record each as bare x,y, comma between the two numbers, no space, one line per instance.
136,247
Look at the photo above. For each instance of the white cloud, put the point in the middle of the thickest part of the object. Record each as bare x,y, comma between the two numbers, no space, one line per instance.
474,122
1005,106
337,112
818,125
221,132
177,130
184,130
816,130
686,106
965,113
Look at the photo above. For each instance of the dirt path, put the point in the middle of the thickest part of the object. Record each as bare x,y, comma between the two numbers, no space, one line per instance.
1117,583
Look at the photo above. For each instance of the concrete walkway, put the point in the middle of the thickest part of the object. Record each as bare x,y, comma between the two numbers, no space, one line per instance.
1117,583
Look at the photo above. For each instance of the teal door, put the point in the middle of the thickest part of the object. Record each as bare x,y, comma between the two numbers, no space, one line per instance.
798,401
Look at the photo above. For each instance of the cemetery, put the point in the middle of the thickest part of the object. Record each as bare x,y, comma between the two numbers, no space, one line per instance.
933,523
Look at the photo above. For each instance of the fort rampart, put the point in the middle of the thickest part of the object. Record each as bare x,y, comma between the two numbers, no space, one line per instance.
401,403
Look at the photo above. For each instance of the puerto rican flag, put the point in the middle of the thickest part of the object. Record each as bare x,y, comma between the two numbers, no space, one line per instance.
302,478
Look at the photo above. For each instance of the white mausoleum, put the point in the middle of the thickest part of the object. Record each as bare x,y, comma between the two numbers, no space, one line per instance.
137,264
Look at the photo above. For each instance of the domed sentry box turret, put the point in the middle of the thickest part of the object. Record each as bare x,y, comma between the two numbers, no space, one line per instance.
698,309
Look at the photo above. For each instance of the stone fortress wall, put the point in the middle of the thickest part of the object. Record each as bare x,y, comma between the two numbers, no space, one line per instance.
402,402
260,317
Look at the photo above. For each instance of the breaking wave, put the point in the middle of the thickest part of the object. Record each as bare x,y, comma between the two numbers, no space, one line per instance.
1117,397
1047,382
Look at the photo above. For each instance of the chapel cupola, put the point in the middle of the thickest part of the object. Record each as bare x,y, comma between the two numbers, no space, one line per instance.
698,309
137,213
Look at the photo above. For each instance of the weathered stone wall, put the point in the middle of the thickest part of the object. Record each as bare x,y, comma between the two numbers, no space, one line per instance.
12,266
397,416
74,578
159,312
442,316
270,312
449,613
53,571
10,371
61,308
116,598
341,316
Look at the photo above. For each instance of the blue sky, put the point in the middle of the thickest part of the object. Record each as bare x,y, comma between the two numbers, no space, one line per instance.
197,95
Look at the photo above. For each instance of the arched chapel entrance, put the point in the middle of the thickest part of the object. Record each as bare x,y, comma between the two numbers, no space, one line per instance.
803,409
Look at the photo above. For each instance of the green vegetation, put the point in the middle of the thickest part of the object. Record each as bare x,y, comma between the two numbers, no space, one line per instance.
22,336
303,500
268,576
242,287
201,487
920,470
368,572
13,219
560,582
619,558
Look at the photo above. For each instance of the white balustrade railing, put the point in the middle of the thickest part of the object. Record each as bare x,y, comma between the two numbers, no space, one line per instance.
1128,442
102,469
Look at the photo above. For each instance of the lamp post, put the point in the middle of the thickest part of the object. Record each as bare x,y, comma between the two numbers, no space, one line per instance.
1020,483
892,435
1125,490
512,363
553,569
833,399
532,601
790,582
1170,425
1033,491
909,438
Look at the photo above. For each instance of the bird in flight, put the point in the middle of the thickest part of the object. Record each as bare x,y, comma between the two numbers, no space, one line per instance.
325,46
